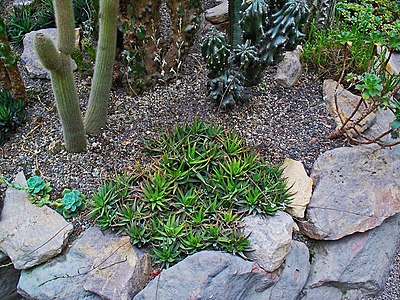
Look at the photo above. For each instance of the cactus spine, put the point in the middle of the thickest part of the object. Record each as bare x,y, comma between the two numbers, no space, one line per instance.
58,62
96,114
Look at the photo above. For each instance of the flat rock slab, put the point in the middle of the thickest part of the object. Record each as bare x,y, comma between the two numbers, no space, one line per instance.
357,265
222,276
218,14
120,272
356,189
270,239
33,66
301,185
30,235
346,102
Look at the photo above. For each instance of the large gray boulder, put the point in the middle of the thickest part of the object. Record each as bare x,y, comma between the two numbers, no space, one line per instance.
357,265
270,239
33,66
382,123
209,275
120,271
294,274
322,292
64,276
356,189
222,276
30,235
96,257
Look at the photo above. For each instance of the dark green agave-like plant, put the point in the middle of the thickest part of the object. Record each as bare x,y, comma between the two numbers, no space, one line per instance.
259,34
12,114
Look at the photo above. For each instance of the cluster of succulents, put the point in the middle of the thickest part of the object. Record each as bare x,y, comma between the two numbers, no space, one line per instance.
259,34
70,205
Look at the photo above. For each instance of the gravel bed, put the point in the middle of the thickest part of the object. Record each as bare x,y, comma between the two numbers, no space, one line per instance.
276,122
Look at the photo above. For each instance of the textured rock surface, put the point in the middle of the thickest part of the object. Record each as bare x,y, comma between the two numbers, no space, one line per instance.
222,276
97,261
356,189
33,66
322,292
120,271
360,262
301,184
30,235
9,277
382,124
270,239
289,70
64,276
218,14
346,102
294,275
209,275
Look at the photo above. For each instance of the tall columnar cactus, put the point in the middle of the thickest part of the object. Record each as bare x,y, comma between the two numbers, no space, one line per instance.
96,114
58,62
265,32
234,12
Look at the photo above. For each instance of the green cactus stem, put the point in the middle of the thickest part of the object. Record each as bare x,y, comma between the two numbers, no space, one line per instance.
235,32
215,51
254,20
59,65
96,114
65,21
285,30
58,62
